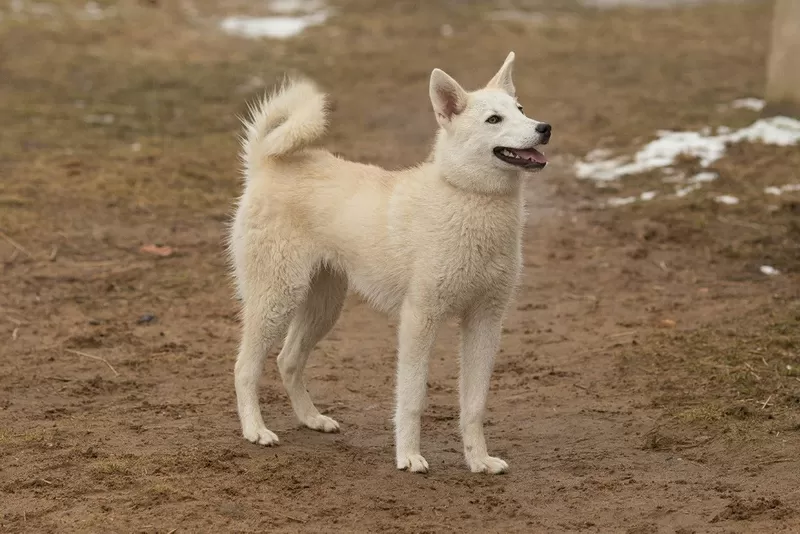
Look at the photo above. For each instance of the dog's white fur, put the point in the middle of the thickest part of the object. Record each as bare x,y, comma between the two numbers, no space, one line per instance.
438,240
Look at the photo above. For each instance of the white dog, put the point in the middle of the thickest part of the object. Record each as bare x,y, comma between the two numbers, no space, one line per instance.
438,240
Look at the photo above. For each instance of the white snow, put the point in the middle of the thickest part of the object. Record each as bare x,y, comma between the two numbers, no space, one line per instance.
665,150
683,191
624,201
703,177
727,199
292,17
782,189
621,201
753,104
274,27
769,270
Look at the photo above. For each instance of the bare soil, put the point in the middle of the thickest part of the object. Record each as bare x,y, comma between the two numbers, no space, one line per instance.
648,379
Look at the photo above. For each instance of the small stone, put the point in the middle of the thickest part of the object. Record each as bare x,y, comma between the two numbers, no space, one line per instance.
147,318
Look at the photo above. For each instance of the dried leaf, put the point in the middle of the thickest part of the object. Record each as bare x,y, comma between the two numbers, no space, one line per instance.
157,250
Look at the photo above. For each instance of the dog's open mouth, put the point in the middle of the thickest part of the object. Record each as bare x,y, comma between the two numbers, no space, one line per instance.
527,158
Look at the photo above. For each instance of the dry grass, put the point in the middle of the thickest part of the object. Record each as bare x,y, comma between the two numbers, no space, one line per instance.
733,376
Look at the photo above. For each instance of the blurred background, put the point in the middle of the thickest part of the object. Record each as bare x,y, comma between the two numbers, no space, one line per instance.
650,376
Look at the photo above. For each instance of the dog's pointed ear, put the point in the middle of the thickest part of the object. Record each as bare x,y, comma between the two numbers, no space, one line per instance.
447,96
502,80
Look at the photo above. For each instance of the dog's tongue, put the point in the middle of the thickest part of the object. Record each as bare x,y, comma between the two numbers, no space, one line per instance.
531,154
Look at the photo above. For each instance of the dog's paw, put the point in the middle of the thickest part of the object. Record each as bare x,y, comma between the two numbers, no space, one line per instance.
487,464
414,463
262,436
323,423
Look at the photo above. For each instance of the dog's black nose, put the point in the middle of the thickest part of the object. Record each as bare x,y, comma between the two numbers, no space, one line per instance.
543,128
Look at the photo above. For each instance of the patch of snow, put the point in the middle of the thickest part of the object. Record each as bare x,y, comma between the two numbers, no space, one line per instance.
703,177
293,17
782,189
624,201
664,151
683,191
603,170
621,201
598,154
769,270
753,104
727,199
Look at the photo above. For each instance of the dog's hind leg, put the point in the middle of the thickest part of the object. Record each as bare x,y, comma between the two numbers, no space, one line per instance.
314,319
274,294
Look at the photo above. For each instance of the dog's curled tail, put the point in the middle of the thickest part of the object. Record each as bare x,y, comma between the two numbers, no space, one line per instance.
282,123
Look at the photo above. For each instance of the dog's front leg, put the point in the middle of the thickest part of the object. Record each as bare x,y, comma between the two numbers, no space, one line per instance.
417,334
480,340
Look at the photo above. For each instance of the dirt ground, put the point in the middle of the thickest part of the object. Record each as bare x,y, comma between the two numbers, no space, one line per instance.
648,379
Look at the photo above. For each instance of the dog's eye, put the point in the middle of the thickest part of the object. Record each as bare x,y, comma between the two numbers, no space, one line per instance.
494,119
521,110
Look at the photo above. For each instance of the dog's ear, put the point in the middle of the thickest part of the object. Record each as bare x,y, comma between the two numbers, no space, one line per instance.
502,80
447,96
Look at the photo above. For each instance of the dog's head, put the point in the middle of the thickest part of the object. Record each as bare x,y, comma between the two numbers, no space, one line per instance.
485,131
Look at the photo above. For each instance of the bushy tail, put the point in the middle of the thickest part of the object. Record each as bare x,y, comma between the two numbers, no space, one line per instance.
288,120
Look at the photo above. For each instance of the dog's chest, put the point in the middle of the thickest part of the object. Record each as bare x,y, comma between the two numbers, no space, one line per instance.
476,256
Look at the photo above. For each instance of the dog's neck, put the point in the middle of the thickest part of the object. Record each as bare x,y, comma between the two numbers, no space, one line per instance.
467,176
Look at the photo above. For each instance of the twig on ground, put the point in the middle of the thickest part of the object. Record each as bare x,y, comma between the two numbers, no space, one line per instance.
766,402
293,518
745,224
93,357
16,245
621,334
752,371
